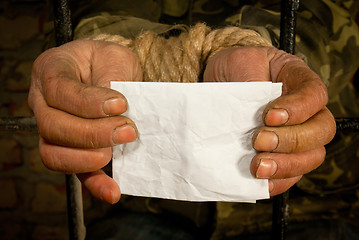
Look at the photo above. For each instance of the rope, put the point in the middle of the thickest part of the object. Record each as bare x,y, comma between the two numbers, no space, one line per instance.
182,58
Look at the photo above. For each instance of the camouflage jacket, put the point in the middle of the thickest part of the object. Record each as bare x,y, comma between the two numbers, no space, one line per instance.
327,39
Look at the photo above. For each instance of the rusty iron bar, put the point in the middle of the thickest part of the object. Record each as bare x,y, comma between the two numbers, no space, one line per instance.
27,125
18,125
351,124
63,34
77,230
280,213
62,22
288,24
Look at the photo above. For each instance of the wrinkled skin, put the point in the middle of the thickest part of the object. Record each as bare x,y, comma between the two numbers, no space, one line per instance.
297,124
79,119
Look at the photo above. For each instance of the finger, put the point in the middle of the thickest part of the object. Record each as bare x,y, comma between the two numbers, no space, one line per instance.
304,94
113,62
83,100
64,129
78,73
73,160
278,165
316,132
101,186
239,64
278,186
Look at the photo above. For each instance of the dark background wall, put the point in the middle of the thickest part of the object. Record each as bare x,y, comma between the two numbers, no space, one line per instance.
32,198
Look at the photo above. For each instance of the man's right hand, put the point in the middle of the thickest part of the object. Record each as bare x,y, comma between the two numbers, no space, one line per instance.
78,116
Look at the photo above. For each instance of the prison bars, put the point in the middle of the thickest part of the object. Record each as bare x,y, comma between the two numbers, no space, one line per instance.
63,33
280,212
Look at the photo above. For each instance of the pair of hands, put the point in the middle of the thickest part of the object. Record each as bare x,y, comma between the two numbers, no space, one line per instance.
79,119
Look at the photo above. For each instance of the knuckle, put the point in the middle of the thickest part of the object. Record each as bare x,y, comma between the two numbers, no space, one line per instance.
97,133
100,159
289,140
331,126
49,88
322,153
47,158
298,141
320,157
44,124
40,61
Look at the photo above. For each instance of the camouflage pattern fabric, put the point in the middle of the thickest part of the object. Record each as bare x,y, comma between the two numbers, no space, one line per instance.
327,39
327,36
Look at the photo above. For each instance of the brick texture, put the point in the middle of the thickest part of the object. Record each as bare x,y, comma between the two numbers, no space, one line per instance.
33,198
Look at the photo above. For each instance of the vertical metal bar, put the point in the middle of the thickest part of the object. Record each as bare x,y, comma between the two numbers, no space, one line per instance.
288,24
77,230
280,216
63,34
287,43
62,22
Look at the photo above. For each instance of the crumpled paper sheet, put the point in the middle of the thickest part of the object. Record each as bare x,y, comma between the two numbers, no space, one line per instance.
194,140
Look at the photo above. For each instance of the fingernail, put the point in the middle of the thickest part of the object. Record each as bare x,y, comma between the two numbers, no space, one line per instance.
101,193
112,198
266,141
123,134
114,106
108,195
270,186
276,117
267,168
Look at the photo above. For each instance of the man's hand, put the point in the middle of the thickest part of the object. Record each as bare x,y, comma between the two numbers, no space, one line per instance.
297,124
76,112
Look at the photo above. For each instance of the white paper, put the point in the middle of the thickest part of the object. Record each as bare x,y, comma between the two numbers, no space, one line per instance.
194,140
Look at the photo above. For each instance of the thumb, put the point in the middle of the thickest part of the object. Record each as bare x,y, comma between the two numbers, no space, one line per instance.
76,76
238,64
304,94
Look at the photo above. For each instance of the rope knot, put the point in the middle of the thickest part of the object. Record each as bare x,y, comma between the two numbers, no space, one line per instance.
182,58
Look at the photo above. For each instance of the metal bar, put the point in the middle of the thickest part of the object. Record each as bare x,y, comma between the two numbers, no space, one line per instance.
18,124
288,19
62,22
280,216
77,230
63,34
288,24
28,124
347,123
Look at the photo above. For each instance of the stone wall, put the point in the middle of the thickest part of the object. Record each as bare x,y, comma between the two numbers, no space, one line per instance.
32,198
